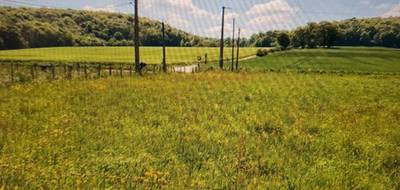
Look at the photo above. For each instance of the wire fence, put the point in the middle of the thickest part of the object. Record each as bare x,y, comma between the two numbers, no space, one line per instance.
15,72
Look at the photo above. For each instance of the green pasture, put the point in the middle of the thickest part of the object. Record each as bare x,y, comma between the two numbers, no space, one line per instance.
212,130
355,59
124,55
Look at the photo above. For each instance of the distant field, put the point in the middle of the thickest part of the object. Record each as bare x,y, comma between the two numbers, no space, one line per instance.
150,55
357,59
212,130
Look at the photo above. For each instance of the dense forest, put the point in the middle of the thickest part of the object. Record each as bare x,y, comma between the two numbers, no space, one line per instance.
352,32
32,27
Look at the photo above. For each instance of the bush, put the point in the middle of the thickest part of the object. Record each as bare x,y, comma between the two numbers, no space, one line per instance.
272,50
262,52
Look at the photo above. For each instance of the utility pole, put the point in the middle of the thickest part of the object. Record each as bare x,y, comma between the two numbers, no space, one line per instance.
164,62
233,45
237,53
136,39
221,50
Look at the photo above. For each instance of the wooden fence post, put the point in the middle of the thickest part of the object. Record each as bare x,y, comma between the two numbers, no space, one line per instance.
120,70
53,72
12,72
110,69
78,69
32,71
205,58
85,71
70,68
99,71
130,70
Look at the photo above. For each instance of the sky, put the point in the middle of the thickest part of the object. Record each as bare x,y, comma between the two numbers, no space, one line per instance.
203,17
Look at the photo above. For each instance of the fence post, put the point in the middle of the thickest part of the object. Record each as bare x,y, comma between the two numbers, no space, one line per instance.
110,69
85,71
99,71
12,72
205,58
32,71
120,70
78,69
53,71
70,67
130,70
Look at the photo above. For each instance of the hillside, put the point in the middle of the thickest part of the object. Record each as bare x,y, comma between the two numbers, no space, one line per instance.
33,27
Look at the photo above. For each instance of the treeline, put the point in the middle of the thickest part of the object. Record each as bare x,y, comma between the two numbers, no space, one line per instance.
352,32
32,28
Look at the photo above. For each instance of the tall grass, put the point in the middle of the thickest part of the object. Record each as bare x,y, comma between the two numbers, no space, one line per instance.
208,130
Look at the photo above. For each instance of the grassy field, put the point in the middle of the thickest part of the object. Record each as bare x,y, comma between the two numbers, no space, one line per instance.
342,59
212,130
150,55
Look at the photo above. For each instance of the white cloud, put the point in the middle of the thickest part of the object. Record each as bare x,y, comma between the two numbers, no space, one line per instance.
275,14
394,11
183,14
382,6
177,21
187,5
272,7
188,16
109,8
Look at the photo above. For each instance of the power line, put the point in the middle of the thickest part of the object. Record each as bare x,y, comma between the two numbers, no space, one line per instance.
24,3
31,4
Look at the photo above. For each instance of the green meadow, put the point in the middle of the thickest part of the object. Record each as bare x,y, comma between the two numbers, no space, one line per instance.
117,55
354,59
286,127
211,130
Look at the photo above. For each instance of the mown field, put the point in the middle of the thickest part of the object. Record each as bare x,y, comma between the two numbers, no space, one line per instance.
212,130
118,55
354,59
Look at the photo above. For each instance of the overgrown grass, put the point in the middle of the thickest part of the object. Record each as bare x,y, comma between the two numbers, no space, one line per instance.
149,55
355,59
208,130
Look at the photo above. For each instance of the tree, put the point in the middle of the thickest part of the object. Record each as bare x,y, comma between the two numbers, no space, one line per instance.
311,37
118,36
398,40
299,38
327,34
11,37
283,40
263,39
387,38
2,45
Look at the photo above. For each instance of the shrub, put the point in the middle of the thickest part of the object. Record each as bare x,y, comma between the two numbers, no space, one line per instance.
262,52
